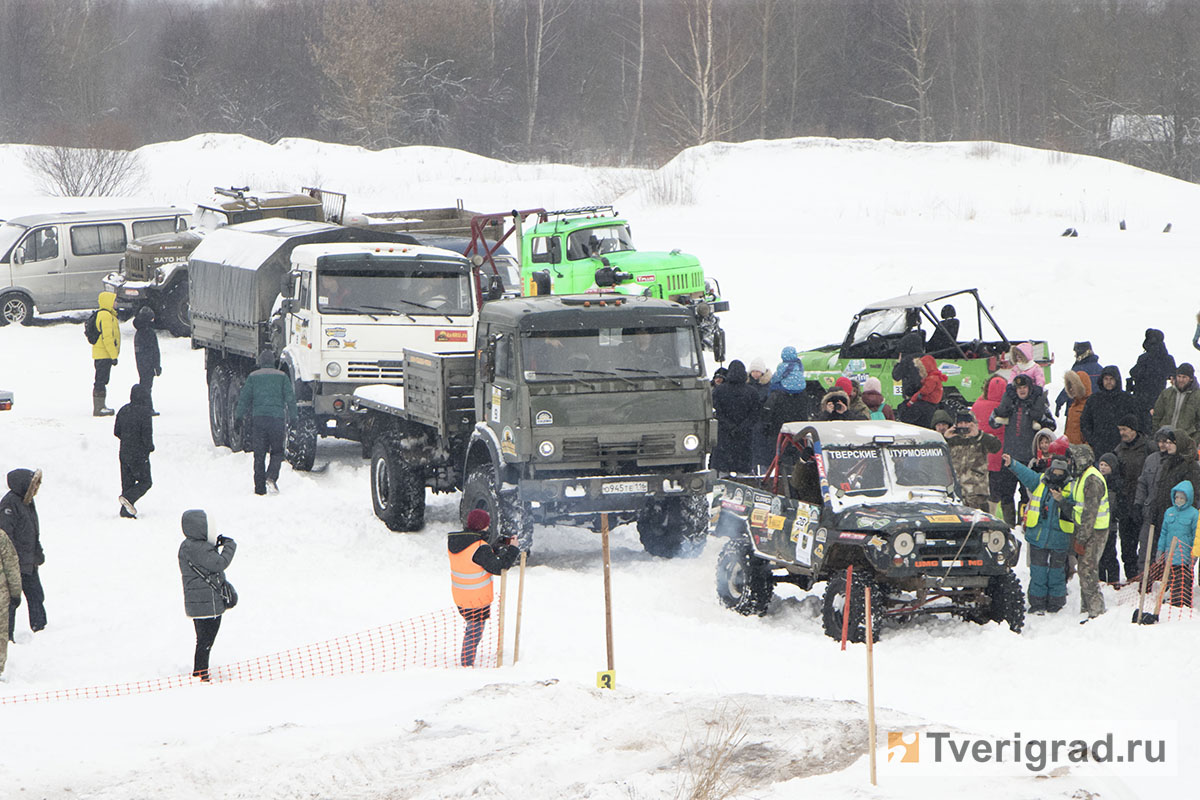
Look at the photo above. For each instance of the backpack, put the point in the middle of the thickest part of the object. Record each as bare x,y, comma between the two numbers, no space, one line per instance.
91,327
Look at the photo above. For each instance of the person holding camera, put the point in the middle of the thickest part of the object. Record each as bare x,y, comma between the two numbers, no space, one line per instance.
473,562
969,451
202,563
1046,532
835,407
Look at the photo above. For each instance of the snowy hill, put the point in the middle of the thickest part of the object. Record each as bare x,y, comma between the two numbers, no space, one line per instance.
801,233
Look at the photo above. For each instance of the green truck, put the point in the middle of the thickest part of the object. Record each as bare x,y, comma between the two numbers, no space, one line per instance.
588,249
968,357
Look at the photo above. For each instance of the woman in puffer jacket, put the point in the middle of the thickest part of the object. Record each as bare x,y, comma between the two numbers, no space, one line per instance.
202,565
1079,389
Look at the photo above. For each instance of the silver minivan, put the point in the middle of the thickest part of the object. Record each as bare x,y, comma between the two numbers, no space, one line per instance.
57,262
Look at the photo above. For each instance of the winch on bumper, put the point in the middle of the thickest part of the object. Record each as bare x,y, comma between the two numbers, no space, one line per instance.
607,493
130,294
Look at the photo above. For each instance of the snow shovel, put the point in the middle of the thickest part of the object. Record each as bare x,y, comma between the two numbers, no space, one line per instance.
1151,619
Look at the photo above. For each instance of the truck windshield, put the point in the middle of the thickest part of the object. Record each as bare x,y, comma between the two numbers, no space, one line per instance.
417,289
9,234
626,353
855,470
209,219
598,241
921,465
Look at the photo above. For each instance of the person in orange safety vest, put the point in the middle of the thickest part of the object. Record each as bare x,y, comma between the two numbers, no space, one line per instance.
473,562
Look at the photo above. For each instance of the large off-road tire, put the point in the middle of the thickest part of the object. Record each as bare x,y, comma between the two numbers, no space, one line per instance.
16,308
677,526
397,488
834,606
176,309
237,430
1008,601
218,418
509,518
743,581
300,445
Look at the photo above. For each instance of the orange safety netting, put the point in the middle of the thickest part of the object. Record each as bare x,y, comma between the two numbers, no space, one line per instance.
433,640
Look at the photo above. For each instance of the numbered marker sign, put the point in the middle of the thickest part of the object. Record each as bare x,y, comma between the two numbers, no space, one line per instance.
606,679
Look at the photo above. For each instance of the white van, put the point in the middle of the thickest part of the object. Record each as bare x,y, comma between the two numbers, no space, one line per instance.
57,262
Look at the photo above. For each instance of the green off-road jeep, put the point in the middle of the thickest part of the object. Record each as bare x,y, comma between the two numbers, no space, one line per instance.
877,497
871,347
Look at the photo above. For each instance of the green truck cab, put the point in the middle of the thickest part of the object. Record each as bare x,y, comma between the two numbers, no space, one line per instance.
968,359
591,249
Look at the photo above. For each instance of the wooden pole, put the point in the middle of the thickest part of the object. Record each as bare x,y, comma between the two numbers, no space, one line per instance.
846,604
520,605
500,624
1141,609
870,689
608,631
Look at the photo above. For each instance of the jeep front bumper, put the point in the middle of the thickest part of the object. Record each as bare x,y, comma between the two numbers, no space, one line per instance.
603,493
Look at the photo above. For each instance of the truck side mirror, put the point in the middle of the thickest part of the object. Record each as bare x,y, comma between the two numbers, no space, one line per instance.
487,361
555,249
495,288
290,305
718,345
19,255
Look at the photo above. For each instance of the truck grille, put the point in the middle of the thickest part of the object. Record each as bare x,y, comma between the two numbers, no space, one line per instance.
651,445
135,269
685,282
390,371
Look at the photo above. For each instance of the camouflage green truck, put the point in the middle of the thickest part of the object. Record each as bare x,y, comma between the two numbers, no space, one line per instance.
871,346
569,407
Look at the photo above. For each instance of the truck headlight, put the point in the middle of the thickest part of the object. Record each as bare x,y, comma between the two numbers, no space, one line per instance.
691,442
546,448
903,543
333,369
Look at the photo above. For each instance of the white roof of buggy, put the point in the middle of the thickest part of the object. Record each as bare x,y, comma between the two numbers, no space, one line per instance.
863,432
913,300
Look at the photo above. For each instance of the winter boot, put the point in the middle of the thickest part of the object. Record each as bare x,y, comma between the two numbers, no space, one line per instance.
98,407
127,509
272,488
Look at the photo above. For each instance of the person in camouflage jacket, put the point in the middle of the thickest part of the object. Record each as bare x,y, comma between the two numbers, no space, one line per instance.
1085,501
969,450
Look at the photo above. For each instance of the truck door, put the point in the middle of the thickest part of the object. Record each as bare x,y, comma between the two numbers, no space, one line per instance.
39,266
298,320
501,394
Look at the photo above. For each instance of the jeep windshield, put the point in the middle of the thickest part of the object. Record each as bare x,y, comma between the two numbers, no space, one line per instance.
591,242
855,470
921,465
886,322
861,470
414,289
616,352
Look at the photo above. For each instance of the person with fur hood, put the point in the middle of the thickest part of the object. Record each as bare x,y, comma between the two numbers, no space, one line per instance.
1046,447
835,407
854,391
19,520
763,449
872,397
1154,367
736,408
1085,361
982,409
1078,387
1021,356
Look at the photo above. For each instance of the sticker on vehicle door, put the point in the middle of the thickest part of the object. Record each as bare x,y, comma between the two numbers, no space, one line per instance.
804,546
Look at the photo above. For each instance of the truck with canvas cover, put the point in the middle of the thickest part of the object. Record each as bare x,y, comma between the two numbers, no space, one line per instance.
569,407
968,357
337,306
591,248
154,271
880,498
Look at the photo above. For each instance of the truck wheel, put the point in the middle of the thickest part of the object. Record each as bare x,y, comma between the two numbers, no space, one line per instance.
509,518
834,607
217,396
16,308
237,433
1008,600
176,310
743,581
397,489
674,527
300,447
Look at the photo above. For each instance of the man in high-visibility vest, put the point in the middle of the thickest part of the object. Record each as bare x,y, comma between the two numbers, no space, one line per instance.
1085,502
473,562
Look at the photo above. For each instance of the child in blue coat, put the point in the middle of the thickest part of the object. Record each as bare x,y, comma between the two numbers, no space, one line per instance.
1179,525
1048,542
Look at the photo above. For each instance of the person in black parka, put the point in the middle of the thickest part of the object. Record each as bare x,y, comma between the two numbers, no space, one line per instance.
1107,405
736,407
135,428
19,519
1149,376
145,352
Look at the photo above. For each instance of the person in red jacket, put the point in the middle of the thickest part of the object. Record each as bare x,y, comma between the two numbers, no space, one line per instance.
998,477
473,562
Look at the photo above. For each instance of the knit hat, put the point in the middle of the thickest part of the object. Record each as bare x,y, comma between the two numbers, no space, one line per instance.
1186,369
757,363
943,416
1111,460
1164,434
872,384
1128,421
478,520
846,385
1082,347
1021,380
964,417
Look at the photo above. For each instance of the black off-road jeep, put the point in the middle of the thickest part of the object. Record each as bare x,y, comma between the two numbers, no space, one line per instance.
880,497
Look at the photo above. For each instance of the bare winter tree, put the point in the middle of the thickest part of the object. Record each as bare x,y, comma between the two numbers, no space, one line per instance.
709,60
85,172
636,63
911,30
543,34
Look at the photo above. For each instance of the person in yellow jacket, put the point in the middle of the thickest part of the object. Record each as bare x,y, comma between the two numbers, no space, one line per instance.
473,562
105,352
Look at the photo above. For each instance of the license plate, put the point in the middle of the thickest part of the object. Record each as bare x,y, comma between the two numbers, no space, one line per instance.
625,487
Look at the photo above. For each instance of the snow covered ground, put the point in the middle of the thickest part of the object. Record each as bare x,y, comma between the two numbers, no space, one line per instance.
801,234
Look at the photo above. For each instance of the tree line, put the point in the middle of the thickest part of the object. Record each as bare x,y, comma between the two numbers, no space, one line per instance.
607,81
